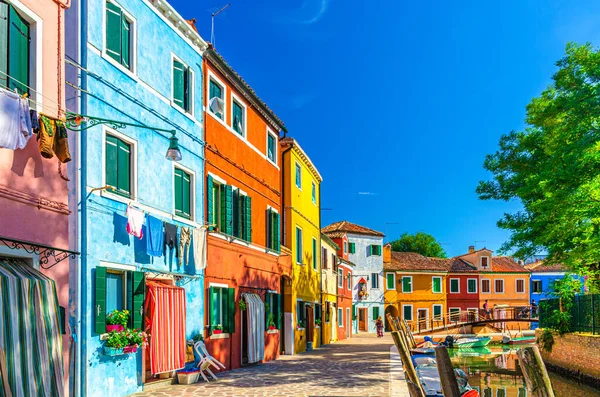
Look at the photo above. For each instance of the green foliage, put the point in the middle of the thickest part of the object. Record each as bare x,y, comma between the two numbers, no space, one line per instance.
552,169
217,327
560,318
546,340
117,340
197,338
422,243
118,317
242,304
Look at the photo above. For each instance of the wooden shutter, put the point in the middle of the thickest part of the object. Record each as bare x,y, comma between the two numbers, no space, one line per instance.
269,223
113,31
178,83
278,311
18,50
209,202
226,209
267,312
187,87
276,229
178,187
138,293
213,302
125,42
247,218
111,150
314,253
375,312
186,183
352,248
236,213
123,168
3,44
100,301
406,287
230,310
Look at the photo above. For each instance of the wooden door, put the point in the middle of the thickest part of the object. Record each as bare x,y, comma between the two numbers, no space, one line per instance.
422,318
310,323
362,319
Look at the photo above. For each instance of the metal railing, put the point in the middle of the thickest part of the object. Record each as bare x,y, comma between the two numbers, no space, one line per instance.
585,313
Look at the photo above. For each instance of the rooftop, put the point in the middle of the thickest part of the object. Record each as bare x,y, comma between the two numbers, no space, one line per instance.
542,267
338,229
411,261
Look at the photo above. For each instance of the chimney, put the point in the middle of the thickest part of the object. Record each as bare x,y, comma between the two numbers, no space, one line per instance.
471,249
387,253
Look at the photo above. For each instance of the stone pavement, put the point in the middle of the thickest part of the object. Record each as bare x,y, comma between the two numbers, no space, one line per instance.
360,366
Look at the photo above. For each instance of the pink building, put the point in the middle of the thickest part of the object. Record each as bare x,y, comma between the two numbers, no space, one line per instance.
34,202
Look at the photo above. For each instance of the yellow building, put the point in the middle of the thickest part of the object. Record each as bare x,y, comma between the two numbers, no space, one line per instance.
329,286
415,286
302,234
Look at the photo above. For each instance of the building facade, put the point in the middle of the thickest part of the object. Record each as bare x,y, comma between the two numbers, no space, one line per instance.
136,66
345,302
329,289
302,234
243,207
34,195
364,249
462,286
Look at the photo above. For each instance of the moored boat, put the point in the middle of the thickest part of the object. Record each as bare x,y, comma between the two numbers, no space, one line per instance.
473,342
507,340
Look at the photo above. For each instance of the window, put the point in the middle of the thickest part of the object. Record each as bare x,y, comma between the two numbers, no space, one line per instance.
216,90
333,261
499,286
340,278
118,166
407,284
472,285
214,200
407,312
485,261
485,286
340,317
436,285
375,312
454,314
238,117
520,286
273,315
390,281
14,49
314,193
118,290
301,314
241,215
349,280
437,312
298,176
271,147
324,257
375,280
182,85
298,245
314,253
374,250
183,193
318,314
454,286
222,308
536,286
345,247
119,35
352,248
273,230
229,210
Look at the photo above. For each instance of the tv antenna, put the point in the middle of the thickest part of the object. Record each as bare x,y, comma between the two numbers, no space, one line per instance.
212,28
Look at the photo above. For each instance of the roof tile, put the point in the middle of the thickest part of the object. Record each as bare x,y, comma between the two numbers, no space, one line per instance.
343,227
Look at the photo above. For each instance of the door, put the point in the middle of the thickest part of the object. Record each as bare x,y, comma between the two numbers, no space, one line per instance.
422,318
362,319
334,322
310,323
348,323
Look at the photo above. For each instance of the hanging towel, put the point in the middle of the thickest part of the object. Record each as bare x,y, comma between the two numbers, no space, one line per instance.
11,135
25,118
185,240
154,236
135,221
171,237
199,237
61,142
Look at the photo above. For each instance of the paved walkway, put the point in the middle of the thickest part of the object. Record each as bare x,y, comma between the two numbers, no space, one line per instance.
360,366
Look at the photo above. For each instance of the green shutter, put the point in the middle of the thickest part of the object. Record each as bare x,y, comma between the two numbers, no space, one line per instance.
278,314
125,42
111,160
235,212
406,287
230,310
178,83
352,248
100,301
138,293
18,51
123,168
113,31
390,281
378,250
269,224
3,44
298,246
237,121
186,195
437,284
226,209
375,312
276,233
209,202
314,254
187,87
407,313
248,219
213,301
267,312
178,187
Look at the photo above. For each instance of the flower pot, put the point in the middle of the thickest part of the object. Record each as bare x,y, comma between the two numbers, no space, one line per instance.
115,327
187,378
217,331
130,349
272,327
112,351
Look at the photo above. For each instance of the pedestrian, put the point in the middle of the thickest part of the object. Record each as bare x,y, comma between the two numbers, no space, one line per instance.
379,325
534,307
485,309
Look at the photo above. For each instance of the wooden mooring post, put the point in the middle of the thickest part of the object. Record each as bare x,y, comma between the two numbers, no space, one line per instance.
534,372
447,376
414,386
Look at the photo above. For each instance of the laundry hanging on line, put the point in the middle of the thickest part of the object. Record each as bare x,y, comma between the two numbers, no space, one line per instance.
171,238
135,221
53,139
15,120
154,236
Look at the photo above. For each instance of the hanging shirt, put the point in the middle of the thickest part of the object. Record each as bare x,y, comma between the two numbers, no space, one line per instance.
135,221
11,123
171,237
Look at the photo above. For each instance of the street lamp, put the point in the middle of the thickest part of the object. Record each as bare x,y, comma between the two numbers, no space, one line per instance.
173,153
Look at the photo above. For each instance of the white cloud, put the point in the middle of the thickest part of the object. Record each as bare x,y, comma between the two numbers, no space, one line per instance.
367,194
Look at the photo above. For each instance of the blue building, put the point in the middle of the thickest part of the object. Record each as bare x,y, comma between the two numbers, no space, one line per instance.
135,79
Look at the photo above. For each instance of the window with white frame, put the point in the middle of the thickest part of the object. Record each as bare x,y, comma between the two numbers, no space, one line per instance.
183,185
119,35
340,278
324,258
119,164
454,285
298,176
340,317
436,284
238,116
314,192
345,246
349,282
437,312
520,287
454,313
536,286
298,245
472,285
499,286
183,86
485,286
390,281
485,262
314,253
216,98
271,147
375,280
407,312
407,284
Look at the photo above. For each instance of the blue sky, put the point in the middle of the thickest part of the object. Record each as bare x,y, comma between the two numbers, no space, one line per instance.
398,102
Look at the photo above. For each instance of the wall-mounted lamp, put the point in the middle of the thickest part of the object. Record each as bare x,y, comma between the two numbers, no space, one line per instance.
173,153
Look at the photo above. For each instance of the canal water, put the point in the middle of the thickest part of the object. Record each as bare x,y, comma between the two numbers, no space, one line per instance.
494,371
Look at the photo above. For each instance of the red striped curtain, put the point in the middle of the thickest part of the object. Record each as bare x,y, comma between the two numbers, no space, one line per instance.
165,321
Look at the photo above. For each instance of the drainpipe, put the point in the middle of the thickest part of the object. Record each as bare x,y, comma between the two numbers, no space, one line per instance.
321,272
283,235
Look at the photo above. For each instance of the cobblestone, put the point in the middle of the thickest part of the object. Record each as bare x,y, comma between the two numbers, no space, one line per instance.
360,366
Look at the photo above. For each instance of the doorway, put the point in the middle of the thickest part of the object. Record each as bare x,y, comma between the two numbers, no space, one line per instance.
422,315
348,323
362,320
392,311
310,324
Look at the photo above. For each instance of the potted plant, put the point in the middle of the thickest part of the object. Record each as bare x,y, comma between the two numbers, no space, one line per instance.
135,339
117,320
318,322
300,324
217,329
115,343
242,304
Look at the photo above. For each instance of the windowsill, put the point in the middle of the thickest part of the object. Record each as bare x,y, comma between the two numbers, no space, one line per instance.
300,264
120,67
117,197
272,331
184,220
274,164
183,111
300,329
219,336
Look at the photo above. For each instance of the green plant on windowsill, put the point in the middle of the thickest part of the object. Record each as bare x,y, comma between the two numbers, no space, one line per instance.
242,304
118,317
116,340
301,324
318,322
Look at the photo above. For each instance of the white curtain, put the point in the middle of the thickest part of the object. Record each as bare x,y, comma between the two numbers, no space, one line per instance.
255,327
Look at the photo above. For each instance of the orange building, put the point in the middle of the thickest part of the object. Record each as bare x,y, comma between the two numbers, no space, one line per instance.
243,278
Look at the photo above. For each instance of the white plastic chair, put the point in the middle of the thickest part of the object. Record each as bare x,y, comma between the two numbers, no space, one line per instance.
204,365
201,346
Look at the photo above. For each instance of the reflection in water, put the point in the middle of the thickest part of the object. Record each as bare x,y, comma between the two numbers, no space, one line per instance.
495,372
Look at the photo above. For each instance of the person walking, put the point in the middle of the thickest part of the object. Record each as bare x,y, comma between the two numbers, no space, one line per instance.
534,307
379,326
486,310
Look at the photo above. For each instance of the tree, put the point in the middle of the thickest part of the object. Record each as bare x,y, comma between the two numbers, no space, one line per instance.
553,168
421,243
